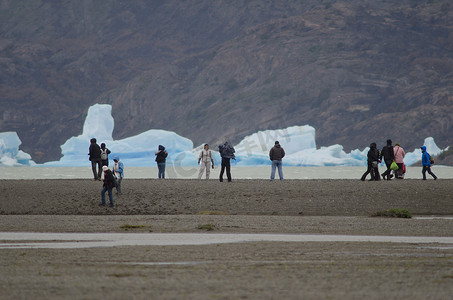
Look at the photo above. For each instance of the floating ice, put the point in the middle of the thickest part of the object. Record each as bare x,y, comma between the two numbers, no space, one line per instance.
416,155
300,147
299,143
10,155
133,151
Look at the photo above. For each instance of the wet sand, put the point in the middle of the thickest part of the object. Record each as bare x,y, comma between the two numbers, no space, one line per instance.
252,270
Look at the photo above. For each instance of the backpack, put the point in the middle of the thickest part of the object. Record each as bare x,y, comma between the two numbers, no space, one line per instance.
109,181
104,155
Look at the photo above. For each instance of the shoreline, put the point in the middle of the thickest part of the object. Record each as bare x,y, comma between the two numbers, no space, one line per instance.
191,172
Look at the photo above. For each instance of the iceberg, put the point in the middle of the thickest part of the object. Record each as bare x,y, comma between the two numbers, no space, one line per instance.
10,155
299,143
135,151
416,155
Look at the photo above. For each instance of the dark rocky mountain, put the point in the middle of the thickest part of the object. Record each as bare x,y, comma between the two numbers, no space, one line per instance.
358,70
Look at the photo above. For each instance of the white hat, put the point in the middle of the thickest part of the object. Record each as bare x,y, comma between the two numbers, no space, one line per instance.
105,168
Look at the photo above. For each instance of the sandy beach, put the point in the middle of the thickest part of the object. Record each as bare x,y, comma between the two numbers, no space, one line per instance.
241,197
252,270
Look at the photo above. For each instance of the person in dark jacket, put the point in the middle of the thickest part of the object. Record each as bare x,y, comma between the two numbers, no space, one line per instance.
109,183
426,162
373,162
161,156
226,152
275,155
95,158
104,155
388,155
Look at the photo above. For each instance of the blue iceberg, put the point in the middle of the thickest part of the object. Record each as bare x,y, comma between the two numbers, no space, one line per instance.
299,143
10,155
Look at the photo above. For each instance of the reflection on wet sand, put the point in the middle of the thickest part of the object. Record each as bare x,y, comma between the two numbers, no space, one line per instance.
16,240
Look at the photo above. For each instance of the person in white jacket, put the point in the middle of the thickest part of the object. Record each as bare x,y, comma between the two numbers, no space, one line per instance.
206,160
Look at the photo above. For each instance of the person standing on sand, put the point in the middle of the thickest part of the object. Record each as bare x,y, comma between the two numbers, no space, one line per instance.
118,171
373,162
206,160
276,155
426,162
399,156
161,156
388,155
104,155
226,152
95,158
109,183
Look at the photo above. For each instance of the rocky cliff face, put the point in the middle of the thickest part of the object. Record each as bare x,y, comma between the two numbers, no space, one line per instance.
358,71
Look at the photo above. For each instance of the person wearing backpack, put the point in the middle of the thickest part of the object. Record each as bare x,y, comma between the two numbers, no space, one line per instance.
109,183
118,171
226,152
206,160
426,162
104,155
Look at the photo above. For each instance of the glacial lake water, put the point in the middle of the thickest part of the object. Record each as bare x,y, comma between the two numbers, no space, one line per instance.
250,172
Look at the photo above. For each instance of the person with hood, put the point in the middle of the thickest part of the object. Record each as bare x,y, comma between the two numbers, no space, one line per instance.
373,162
206,159
226,152
161,156
399,156
388,155
109,183
426,162
104,155
95,158
276,155
118,171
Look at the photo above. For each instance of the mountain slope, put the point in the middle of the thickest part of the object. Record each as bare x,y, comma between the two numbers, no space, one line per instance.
358,71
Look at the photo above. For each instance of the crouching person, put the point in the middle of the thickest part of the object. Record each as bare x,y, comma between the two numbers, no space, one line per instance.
109,183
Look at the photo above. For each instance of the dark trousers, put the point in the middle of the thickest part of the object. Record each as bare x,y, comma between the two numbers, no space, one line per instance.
97,175
225,165
427,168
387,172
109,191
161,170
399,172
374,172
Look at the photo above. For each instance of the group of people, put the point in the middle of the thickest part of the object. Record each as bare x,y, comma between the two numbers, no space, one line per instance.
207,161
113,178
99,157
393,157
227,151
